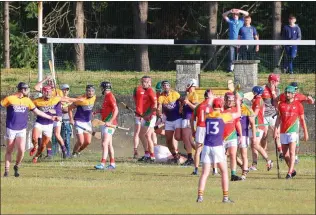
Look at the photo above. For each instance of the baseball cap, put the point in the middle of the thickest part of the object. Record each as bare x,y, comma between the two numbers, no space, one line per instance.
273,77
64,86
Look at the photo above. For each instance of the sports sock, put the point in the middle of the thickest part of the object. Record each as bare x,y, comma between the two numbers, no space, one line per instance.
103,161
6,169
233,172
200,192
49,152
147,154
112,162
196,169
189,155
225,195
215,170
296,157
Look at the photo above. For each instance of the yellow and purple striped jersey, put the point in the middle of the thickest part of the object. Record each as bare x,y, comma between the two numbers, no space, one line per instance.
84,109
17,111
47,106
193,97
170,105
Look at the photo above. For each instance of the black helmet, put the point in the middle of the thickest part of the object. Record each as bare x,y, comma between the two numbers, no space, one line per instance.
90,86
165,82
106,85
22,85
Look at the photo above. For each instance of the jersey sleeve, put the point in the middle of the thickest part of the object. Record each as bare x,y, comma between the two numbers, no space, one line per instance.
300,109
255,32
31,105
112,101
227,117
177,95
5,102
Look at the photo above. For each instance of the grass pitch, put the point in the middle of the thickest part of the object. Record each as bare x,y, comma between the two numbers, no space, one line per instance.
74,187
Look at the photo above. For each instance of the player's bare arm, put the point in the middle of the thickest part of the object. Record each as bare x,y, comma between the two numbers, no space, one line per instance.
303,124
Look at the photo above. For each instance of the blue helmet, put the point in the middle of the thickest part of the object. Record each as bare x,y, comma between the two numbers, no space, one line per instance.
257,90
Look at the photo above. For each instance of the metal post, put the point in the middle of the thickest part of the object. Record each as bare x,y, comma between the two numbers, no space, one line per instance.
40,46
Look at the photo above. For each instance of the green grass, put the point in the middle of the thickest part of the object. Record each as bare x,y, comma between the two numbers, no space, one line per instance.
74,187
124,82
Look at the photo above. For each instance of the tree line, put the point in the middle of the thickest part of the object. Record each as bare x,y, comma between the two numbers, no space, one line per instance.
141,20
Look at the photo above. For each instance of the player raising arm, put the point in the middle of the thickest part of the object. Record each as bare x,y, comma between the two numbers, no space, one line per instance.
290,113
214,151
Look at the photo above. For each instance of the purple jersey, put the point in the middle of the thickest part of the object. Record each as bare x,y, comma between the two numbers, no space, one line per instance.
187,111
170,105
84,109
17,111
246,112
49,107
215,123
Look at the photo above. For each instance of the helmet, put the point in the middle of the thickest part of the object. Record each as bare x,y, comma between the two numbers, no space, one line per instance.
192,83
22,85
165,82
47,88
64,86
273,77
206,93
229,96
294,84
257,90
217,103
290,89
90,86
159,86
106,85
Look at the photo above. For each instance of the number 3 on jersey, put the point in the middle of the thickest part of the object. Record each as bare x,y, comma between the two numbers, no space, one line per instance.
212,127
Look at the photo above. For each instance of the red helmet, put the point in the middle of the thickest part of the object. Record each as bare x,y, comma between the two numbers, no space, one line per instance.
217,103
273,77
46,89
229,96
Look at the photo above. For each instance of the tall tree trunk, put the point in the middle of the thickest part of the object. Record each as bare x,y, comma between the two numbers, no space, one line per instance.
276,33
212,32
79,23
140,14
6,35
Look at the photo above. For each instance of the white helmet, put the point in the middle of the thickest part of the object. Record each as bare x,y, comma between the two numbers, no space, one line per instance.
192,83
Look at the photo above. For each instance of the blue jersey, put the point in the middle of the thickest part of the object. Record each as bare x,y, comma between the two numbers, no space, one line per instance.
291,33
234,26
247,33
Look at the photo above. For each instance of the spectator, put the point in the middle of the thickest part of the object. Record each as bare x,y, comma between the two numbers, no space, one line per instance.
291,32
248,32
234,25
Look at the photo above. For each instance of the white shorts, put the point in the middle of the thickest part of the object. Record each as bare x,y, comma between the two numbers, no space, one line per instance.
47,130
150,123
286,138
161,153
244,142
173,125
269,120
200,134
86,125
107,130
138,120
259,133
213,154
185,123
12,134
57,124
230,143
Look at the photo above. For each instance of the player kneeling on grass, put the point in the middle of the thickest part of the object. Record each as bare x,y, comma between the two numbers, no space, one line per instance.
199,114
258,109
82,119
214,151
109,112
289,115
18,106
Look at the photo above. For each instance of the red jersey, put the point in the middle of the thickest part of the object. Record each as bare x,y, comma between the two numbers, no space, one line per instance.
108,106
230,127
257,102
297,97
289,115
138,98
149,100
199,113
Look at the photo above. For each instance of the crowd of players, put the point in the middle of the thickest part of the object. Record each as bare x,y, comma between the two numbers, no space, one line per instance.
212,129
